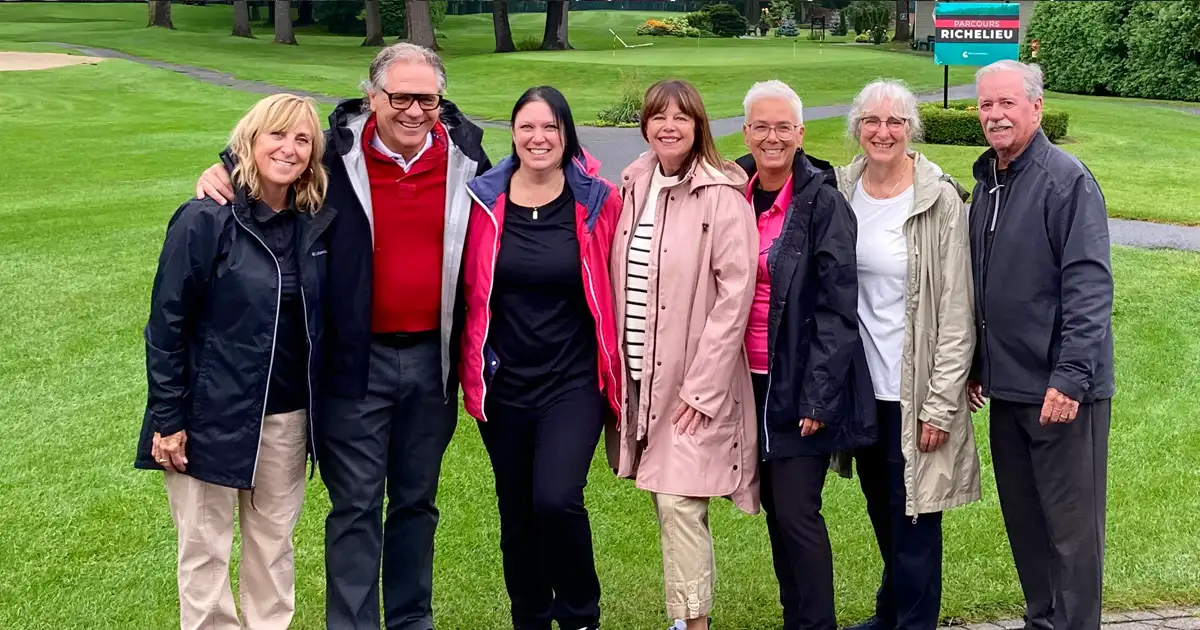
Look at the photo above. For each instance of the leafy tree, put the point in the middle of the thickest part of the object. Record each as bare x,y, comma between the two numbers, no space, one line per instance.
501,26
555,35
284,33
241,19
159,13
727,21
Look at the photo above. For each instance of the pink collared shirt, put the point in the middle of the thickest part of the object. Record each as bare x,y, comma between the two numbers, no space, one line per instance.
770,225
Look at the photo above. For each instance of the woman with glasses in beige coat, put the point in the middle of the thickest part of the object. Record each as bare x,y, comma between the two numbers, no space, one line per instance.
916,320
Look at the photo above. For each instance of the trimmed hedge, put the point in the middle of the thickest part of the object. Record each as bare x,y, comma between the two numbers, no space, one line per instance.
1120,47
960,125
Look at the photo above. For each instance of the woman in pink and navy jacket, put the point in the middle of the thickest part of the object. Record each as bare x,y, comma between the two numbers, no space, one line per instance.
539,361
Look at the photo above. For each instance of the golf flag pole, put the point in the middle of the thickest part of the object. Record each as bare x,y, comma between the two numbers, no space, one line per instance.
793,49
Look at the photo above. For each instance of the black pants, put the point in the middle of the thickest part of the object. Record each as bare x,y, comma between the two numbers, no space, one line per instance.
910,593
392,439
1051,481
800,549
541,458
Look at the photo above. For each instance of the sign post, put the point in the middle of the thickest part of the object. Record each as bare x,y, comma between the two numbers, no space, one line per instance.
974,34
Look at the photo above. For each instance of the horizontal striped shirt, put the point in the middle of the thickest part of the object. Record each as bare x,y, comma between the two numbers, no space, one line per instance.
637,273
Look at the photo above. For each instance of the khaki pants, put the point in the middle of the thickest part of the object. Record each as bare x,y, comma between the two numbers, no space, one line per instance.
688,557
203,515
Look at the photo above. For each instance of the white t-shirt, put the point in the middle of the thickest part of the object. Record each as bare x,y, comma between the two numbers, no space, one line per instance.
637,272
882,278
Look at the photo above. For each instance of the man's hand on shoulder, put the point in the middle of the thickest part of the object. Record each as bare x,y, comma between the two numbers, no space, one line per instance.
215,184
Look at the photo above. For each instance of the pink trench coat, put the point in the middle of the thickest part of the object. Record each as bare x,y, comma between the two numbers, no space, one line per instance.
701,285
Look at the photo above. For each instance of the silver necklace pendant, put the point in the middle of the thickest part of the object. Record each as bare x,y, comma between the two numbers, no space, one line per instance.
535,214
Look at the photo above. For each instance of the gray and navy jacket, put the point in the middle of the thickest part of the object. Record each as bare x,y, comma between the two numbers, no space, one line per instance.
1044,287
351,269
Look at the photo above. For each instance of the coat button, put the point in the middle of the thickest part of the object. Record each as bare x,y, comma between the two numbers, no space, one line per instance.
735,445
697,398
664,307
735,466
659,363
653,417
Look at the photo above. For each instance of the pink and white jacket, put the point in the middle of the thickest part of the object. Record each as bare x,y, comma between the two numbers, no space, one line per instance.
597,209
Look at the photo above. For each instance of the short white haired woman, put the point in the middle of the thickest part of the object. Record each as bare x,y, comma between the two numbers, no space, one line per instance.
917,324
232,345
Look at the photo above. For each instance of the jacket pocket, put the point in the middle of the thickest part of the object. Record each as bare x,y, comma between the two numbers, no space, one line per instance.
491,363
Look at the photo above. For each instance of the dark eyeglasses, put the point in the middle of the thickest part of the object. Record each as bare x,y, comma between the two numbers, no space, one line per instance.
401,102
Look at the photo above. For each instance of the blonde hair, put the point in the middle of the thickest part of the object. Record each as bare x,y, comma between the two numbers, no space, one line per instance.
281,112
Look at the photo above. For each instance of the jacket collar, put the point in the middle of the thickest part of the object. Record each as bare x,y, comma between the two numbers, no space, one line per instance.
1037,146
926,179
581,176
804,168
698,176
347,120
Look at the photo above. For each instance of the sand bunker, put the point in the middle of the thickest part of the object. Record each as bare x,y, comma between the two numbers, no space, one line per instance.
41,61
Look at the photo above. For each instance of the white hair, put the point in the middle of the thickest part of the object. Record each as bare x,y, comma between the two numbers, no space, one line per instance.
893,92
774,89
403,52
1031,74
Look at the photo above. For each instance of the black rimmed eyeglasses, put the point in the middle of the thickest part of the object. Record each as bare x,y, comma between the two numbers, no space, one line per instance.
401,102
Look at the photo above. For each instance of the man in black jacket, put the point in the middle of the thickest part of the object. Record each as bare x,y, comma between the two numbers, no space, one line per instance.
1043,292
398,164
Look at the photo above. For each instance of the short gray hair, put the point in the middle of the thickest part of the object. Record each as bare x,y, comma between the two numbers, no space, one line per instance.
403,52
878,92
1031,74
774,89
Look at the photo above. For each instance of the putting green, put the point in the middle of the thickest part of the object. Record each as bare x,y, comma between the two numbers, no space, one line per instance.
712,54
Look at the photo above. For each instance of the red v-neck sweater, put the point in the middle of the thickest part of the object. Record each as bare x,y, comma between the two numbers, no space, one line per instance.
409,220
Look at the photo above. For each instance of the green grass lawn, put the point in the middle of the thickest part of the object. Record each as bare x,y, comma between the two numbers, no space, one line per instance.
1143,154
95,160
483,83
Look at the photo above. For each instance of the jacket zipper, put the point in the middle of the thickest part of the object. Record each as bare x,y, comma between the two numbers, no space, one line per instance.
599,317
990,230
487,305
312,435
271,362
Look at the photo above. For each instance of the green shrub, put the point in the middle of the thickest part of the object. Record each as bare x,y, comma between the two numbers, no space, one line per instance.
699,20
529,43
839,28
1121,47
627,110
865,15
340,18
878,33
863,38
727,21
1163,44
960,124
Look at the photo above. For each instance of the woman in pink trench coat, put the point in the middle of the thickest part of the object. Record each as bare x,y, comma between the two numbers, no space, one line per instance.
683,272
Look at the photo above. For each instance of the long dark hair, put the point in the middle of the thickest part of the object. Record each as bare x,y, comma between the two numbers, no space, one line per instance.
562,115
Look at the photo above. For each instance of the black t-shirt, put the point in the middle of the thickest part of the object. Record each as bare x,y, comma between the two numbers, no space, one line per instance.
763,199
542,331
288,388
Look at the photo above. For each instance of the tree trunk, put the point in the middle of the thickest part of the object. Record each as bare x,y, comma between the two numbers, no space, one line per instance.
159,13
504,40
374,24
241,19
284,34
271,13
902,34
255,14
304,12
555,35
419,24
753,11
799,16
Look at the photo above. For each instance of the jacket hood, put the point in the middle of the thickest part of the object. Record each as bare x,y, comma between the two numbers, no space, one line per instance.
582,175
803,167
927,177
700,175
347,120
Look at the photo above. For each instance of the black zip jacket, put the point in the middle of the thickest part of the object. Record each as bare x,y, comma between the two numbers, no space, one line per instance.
211,332
1043,280
818,368
351,247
